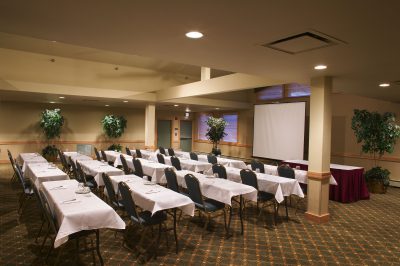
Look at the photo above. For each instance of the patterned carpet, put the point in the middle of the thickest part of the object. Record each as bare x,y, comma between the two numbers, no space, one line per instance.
361,233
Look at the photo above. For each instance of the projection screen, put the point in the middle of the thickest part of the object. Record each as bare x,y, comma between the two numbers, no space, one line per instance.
279,130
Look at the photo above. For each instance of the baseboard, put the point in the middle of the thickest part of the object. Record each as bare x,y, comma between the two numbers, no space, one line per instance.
394,183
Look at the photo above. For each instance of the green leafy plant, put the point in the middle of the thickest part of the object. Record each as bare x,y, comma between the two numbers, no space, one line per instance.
115,147
215,132
114,126
378,134
50,151
51,123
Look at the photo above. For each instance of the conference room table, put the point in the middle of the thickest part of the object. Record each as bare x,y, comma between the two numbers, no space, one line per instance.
221,160
76,156
300,175
191,165
76,212
351,185
146,154
281,187
152,197
43,172
222,190
24,159
96,168
150,168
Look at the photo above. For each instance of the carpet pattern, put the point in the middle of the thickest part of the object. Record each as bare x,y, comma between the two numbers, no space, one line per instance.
362,233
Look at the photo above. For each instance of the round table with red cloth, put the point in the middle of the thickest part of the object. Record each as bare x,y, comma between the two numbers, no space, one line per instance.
351,185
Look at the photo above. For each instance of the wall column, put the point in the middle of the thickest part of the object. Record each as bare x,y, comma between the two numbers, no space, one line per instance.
319,150
150,126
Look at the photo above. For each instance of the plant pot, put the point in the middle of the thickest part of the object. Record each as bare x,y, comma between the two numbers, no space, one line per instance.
50,158
216,151
376,186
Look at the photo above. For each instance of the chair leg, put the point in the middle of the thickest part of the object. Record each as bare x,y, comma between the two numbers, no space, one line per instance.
275,212
45,238
98,247
40,230
158,239
287,214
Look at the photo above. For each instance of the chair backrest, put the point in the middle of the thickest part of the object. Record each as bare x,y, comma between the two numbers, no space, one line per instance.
220,170
255,164
74,170
138,153
81,177
193,186
249,178
172,182
171,152
39,199
63,160
193,156
125,166
110,188
162,150
160,158
127,200
104,155
48,213
138,167
20,176
285,170
128,151
176,163
11,158
212,158
97,154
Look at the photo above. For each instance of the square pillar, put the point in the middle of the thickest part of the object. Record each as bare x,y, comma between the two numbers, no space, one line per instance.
150,126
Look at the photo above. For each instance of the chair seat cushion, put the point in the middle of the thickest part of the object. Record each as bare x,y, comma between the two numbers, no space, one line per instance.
265,196
146,218
210,205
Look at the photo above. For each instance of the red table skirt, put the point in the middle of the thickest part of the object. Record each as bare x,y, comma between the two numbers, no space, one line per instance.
351,185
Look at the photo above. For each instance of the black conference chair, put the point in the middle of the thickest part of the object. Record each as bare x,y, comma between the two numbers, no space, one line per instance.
171,152
205,206
53,231
112,196
104,155
64,163
139,169
162,150
212,158
249,178
144,219
128,151
12,161
27,191
220,170
125,166
138,153
255,164
193,156
88,180
176,163
285,170
172,181
98,158
160,158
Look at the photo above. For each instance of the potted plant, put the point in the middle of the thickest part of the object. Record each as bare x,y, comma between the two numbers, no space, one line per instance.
378,134
114,127
215,132
51,123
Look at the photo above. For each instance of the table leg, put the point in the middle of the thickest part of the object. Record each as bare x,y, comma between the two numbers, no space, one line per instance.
176,237
240,212
287,214
229,221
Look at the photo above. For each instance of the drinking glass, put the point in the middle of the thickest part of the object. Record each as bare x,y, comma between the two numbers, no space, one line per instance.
216,175
257,170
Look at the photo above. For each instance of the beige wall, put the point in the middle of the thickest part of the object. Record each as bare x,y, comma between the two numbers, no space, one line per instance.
345,149
20,131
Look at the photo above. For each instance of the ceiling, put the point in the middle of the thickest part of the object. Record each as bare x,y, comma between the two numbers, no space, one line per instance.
366,34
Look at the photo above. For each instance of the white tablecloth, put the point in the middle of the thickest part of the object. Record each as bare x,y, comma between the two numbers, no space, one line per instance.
300,175
224,161
85,213
112,155
219,189
27,158
42,172
75,156
182,154
279,186
192,165
153,197
146,154
96,169
332,166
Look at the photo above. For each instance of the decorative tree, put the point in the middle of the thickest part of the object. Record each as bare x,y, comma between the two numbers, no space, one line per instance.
51,123
114,127
216,132
378,134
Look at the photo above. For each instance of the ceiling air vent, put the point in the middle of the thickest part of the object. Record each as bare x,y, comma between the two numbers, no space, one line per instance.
302,42
90,100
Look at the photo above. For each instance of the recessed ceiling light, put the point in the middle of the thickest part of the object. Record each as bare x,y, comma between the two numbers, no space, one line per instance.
216,108
107,105
53,41
61,97
320,67
194,34
52,102
383,85
176,105
125,101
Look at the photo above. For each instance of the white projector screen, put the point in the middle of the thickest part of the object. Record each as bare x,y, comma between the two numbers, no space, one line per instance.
279,130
